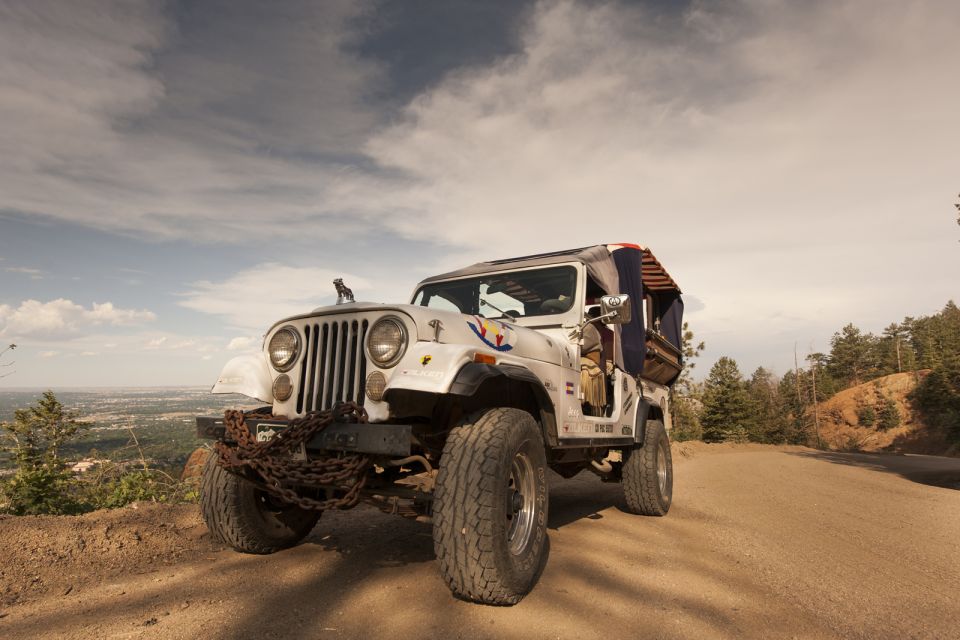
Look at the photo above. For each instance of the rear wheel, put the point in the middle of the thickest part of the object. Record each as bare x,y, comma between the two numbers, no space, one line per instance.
490,508
648,473
246,518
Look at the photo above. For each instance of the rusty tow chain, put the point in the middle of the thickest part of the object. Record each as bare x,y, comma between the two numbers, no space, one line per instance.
273,459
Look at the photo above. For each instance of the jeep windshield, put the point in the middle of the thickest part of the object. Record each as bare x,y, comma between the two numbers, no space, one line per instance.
516,294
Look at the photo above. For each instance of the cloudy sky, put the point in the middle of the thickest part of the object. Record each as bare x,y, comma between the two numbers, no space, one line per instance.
174,176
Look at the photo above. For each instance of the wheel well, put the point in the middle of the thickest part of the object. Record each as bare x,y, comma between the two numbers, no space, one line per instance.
439,413
656,413
646,411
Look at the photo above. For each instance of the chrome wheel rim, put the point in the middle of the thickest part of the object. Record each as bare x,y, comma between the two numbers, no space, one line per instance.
662,468
521,503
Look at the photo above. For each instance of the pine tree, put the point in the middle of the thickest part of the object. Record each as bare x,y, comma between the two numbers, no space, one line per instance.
888,416
938,397
852,356
41,483
767,420
684,394
726,407
793,410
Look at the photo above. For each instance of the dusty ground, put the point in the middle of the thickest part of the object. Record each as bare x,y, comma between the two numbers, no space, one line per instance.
761,542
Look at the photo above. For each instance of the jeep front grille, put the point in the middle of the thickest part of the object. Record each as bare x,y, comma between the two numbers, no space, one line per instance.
334,364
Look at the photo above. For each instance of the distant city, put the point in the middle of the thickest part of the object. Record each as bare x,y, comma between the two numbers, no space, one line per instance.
161,419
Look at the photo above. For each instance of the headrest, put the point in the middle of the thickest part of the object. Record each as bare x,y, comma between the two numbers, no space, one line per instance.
556,305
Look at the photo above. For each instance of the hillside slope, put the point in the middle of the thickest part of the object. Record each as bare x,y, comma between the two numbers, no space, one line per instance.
841,428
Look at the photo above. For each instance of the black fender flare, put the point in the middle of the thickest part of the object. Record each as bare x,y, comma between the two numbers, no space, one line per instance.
643,412
472,375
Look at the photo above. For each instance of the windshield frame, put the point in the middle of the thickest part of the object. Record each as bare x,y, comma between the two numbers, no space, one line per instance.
571,316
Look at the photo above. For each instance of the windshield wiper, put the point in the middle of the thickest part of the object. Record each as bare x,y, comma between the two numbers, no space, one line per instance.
494,307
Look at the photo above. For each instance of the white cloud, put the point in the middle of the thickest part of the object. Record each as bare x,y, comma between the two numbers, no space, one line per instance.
63,319
243,343
48,354
35,274
780,158
290,290
791,163
126,121
155,343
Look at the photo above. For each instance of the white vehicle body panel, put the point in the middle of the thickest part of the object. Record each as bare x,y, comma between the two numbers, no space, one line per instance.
249,375
440,344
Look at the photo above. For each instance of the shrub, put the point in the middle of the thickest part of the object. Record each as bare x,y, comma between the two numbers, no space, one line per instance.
40,490
114,485
889,415
866,416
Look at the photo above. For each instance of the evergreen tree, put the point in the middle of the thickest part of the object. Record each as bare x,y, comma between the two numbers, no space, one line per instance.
938,397
935,338
794,406
767,422
827,385
866,416
41,483
852,356
726,407
894,352
888,415
684,395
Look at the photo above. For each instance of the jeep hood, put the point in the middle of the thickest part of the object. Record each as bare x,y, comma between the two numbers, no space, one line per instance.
494,336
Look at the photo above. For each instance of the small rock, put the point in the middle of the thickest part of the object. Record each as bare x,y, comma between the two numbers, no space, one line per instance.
150,622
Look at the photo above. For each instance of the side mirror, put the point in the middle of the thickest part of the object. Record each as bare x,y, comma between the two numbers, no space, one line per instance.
616,309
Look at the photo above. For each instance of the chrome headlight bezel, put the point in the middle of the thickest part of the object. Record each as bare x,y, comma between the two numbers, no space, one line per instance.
404,342
285,366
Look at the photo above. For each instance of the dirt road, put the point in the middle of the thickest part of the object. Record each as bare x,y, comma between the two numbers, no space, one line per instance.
760,543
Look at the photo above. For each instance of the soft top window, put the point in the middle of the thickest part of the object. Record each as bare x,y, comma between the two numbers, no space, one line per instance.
518,294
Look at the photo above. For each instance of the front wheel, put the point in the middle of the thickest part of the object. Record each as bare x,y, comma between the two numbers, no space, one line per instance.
648,473
248,519
490,507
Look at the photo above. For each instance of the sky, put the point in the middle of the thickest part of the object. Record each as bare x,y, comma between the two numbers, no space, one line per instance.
175,176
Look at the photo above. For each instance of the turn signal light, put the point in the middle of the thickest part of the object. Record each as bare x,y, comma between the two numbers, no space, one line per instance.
484,358
282,387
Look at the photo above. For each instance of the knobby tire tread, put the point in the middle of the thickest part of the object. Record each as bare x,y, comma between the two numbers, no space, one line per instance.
225,508
464,507
641,487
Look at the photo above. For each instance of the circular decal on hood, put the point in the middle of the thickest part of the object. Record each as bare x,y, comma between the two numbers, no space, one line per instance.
496,335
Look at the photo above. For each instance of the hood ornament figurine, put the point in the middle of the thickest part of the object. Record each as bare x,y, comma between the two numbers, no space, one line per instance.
344,294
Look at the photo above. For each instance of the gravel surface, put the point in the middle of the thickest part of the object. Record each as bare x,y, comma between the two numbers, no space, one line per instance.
762,542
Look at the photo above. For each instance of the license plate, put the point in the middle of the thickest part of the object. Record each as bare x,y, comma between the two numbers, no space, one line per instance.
266,432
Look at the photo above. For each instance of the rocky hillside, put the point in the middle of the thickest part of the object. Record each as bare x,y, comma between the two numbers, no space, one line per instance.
845,419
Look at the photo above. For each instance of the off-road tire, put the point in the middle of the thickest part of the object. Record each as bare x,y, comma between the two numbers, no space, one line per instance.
645,493
240,515
471,503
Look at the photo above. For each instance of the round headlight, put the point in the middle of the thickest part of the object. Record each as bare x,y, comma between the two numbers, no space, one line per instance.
386,342
284,348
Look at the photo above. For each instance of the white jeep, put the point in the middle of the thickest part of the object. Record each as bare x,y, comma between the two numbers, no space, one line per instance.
490,375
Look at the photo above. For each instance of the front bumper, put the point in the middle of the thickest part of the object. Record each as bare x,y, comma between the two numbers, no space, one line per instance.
378,439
